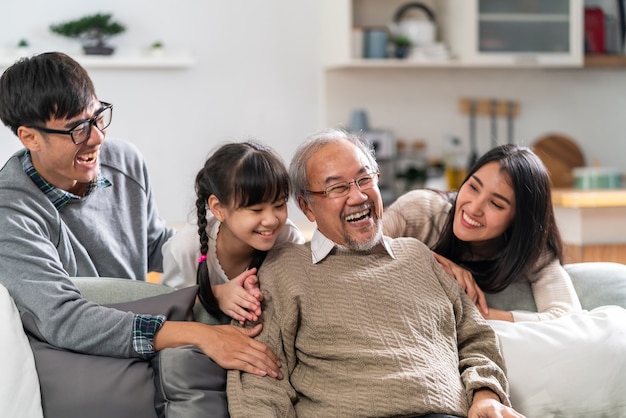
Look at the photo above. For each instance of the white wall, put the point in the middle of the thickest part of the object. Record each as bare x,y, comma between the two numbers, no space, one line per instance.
588,105
259,73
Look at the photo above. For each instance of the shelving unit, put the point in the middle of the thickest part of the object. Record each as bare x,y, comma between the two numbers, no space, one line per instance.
590,61
478,33
121,61
605,61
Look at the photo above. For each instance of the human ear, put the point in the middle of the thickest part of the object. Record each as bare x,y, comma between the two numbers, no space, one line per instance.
217,208
305,207
29,137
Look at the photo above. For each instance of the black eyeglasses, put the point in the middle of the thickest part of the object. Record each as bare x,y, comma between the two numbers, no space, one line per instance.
341,189
82,130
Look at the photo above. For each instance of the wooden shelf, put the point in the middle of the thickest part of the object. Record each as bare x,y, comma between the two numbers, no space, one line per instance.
123,61
393,63
605,61
579,198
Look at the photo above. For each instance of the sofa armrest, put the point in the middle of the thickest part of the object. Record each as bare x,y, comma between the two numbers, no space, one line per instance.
107,290
599,283
596,283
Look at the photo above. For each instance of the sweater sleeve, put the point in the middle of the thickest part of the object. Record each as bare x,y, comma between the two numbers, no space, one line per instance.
253,396
553,291
480,362
419,213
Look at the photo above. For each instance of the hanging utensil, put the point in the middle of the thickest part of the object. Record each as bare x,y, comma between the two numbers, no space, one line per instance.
510,113
472,134
493,112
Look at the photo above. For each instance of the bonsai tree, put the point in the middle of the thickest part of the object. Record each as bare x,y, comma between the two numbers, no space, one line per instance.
93,30
156,48
22,47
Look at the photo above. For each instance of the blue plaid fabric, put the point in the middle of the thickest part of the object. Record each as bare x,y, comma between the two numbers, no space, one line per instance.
144,328
57,196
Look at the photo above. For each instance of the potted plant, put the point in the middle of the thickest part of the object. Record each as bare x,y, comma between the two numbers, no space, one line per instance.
156,48
402,45
23,47
93,30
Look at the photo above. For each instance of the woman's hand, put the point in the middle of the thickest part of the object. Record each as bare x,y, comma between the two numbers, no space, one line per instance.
240,298
500,315
466,281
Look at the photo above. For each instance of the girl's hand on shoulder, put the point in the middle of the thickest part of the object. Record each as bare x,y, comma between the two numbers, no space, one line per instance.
251,284
466,281
237,302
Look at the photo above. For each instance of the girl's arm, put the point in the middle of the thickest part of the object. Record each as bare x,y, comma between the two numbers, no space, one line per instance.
553,291
465,279
240,298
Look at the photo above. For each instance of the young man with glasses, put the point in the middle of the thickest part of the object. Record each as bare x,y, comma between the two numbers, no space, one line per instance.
365,325
73,204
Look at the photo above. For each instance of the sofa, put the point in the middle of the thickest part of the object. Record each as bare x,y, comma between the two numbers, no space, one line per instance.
573,366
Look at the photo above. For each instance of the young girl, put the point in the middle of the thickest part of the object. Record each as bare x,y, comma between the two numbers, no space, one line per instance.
241,207
498,228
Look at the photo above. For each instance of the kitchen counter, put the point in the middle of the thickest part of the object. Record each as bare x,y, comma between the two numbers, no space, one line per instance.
575,198
592,224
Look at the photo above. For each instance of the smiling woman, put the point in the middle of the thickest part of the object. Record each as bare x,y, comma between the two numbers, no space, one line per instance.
496,230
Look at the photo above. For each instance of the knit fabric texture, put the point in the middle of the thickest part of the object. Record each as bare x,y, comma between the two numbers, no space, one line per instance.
362,334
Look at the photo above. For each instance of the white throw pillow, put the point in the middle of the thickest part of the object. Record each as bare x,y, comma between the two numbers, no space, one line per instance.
573,366
19,385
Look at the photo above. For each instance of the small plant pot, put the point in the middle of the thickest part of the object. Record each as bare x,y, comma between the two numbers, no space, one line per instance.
401,51
98,50
23,51
156,52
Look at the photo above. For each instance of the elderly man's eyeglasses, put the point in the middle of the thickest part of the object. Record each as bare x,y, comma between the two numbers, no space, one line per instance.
341,189
82,130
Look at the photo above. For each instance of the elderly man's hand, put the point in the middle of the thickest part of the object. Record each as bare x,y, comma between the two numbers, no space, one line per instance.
486,404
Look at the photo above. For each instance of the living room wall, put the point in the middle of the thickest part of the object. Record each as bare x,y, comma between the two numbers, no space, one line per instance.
256,75
259,72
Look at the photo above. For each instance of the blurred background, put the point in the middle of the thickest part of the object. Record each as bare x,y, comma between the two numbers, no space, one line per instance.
473,73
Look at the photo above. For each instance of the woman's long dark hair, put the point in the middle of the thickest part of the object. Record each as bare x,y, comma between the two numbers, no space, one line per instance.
532,230
239,175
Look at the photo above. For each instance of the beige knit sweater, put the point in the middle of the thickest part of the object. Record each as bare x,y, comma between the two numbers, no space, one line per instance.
361,334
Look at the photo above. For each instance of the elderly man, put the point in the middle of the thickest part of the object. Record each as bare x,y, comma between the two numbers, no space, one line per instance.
365,325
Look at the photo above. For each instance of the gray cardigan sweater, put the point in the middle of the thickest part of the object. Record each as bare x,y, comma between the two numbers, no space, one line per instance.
113,232
362,334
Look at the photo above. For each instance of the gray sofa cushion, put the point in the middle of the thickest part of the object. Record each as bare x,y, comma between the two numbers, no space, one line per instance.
599,283
596,283
80,385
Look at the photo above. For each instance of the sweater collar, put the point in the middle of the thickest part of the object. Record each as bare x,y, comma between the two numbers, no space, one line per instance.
322,246
58,197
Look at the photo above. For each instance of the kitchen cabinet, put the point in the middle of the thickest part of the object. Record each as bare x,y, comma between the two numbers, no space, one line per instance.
522,32
592,224
477,32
